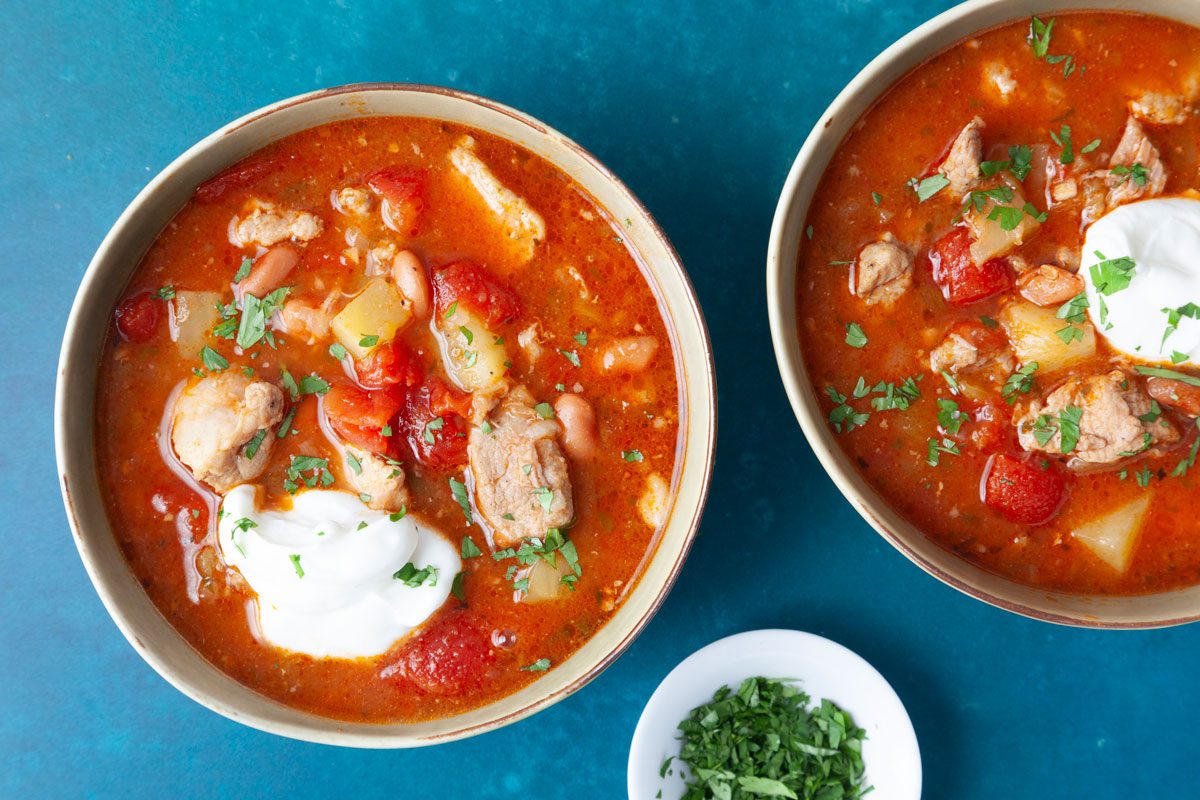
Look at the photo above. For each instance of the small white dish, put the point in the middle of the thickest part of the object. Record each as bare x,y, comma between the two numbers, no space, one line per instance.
821,668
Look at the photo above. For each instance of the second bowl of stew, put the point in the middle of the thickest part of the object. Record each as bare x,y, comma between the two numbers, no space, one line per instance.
385,417
983,299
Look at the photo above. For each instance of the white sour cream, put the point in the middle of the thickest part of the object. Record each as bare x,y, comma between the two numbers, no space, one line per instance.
1162,236
325,586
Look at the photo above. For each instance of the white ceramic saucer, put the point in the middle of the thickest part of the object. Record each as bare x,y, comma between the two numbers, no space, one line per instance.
822,668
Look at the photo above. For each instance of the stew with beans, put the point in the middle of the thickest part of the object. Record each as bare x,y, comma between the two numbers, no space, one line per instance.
388,419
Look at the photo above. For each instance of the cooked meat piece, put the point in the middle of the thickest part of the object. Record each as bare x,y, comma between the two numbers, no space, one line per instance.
1160,109
354,201
1109,424
521,223
381,483
265,224
306,321
1049,285
1095,197
1176,394
954,354
976,356
1064,190
962,162
882,272
1001,79
380,258
522,487
215,419
1134,149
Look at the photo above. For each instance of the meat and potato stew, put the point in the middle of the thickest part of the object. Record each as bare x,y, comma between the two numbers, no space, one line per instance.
388,419
997,300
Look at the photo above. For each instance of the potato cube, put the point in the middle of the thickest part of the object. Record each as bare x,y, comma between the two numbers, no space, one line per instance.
372,318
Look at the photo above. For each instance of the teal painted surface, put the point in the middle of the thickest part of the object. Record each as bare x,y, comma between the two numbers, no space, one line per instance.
700,108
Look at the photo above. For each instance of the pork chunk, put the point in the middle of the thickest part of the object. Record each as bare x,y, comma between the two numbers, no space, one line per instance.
1049,285
1178,395
882,272
522,487
214,420
1133,151
1109,407
962,162
520,222
1160,109
265,224
379,482
977,357
353,201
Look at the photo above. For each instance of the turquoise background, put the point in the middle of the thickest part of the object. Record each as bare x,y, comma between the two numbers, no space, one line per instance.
700,107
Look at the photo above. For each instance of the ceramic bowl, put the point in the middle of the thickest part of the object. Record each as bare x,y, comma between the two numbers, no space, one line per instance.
140,621
960,22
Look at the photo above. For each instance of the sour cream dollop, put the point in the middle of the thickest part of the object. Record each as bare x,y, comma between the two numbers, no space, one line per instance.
1162,236
325,585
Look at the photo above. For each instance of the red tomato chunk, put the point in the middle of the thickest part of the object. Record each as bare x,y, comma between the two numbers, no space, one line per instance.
138,318
362,418
1023,491
390,364
961,280
475,289
404,191
433,424
451,657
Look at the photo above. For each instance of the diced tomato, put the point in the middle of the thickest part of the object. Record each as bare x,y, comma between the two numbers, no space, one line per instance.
138,317
1025,491
473,287
390,364
961,280
240,176
446,400
404,191
361,417
438,444
450,657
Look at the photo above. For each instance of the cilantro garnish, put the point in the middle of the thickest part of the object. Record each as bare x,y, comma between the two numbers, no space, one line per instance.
1068,427
762,740
410,576
1159,372
459,490
928,187
1020,381
855,336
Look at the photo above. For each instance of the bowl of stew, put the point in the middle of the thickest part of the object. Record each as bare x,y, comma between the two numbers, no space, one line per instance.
385,417
981,302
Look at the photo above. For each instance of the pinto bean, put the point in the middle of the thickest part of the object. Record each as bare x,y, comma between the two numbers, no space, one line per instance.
413,283
1049,285
270,270
630,354
578,419
1176,394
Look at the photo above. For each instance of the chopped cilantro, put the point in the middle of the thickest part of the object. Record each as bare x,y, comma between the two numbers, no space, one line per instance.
212,360
855,336
459,490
